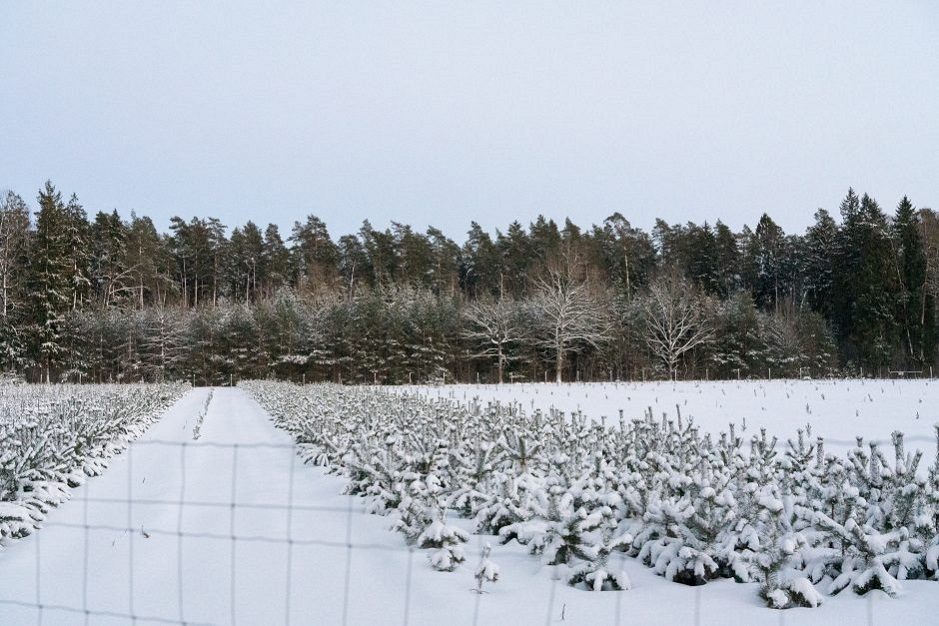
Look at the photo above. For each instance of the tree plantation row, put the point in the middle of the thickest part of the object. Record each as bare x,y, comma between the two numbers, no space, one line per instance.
798,520
105,298
53,436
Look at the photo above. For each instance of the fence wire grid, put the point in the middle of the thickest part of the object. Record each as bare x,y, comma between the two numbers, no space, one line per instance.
88,612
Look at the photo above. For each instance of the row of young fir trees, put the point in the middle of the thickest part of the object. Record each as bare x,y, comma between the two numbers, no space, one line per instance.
110,299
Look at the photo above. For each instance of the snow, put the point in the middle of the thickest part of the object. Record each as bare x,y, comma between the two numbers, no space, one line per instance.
379,568
838,410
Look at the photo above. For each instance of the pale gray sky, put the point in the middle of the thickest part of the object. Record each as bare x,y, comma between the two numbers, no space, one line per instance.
443,112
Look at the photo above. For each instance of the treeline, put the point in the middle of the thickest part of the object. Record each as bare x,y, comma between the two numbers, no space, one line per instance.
109,299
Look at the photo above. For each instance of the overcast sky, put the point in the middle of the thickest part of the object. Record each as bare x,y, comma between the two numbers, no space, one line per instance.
445,112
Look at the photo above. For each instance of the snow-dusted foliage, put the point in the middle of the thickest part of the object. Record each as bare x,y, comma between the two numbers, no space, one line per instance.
486,571
53,436
581,495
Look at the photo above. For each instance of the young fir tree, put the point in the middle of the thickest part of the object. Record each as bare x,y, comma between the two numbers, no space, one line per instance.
486,571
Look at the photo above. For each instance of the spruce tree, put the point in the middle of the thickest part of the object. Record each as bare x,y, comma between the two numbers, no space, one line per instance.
768,259
50,281
480,270
911,270
865,283
821,240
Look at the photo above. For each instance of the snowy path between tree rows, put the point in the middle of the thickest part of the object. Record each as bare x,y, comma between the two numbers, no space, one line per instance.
91,568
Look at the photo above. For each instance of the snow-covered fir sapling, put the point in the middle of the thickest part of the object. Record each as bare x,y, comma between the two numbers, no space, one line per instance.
379,475
858,527
862,567
508,505
926,522
597,574
444,539
783,581
683,524
740,543
413,512
472,492
559,528
486,571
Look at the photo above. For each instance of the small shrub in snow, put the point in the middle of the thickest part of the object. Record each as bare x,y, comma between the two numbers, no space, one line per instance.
446,542
486,571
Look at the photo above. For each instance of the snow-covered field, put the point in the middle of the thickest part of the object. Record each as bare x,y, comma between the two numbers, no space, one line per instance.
87,558
838,410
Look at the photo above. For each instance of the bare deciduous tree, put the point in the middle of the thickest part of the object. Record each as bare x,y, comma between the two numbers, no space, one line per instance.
570,314
494,326
675,319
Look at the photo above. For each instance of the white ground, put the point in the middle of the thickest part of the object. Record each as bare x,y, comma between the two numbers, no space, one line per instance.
379,566
838,410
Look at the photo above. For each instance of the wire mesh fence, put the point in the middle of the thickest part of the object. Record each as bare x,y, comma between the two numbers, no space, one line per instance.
189,525
206,542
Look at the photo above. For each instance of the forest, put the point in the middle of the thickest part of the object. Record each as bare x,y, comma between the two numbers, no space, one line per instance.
106,299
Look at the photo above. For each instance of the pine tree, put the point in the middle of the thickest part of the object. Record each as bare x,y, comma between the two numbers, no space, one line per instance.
446,259
480,271
316,257
245,263
149,263
275,262
516,256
